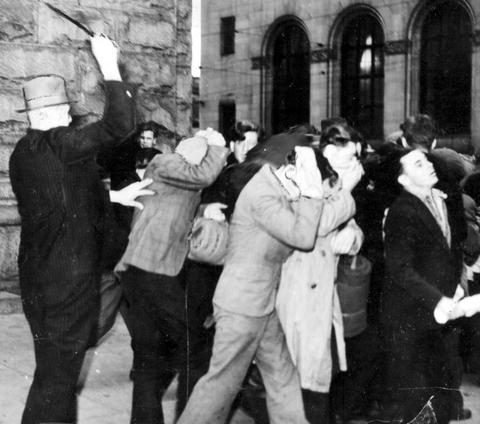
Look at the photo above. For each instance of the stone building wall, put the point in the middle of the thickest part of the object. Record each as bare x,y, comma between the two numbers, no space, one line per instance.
241,77
154,38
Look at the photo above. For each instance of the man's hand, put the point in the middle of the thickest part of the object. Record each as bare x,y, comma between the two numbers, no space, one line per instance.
307,175
214,138
105,52
352,176
444,310
214,211
342,242
468,306
127,195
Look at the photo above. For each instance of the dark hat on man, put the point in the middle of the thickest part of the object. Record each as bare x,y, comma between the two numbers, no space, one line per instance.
276,149
43,91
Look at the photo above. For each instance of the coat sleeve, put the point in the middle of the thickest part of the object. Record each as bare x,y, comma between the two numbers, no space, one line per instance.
336,210
400,251
118,122
172,169
294,224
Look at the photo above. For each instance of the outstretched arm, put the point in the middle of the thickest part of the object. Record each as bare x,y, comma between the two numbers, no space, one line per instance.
127,196
118,118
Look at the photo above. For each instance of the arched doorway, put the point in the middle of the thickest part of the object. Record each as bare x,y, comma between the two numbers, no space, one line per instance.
288,77
445,78
362,75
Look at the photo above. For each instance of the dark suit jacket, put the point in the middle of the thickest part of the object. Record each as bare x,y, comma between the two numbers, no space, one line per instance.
421,267
62,201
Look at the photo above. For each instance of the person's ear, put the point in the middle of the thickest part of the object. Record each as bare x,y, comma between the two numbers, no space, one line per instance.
232,146
434,144
404,142
402,180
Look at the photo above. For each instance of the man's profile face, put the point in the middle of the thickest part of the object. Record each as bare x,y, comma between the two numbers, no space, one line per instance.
418,170
146,139
240,148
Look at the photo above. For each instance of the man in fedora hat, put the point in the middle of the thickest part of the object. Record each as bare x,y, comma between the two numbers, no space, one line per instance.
62,206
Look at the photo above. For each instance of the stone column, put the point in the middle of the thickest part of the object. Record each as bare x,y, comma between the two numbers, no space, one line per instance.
475,125
319,85
395,85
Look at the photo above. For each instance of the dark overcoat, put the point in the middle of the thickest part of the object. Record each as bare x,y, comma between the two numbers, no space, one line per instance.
421,267
61,199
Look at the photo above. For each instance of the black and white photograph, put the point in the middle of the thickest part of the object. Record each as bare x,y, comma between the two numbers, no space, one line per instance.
239,211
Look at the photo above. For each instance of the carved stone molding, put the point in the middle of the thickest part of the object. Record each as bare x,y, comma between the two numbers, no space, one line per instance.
258,62
323,54
396,47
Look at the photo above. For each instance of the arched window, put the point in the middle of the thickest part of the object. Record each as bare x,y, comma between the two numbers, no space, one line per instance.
362,75
446,67
288,71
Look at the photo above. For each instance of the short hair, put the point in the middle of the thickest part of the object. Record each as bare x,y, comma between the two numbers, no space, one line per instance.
419,130
238,130
389,166
308,130
277,149
335,133
155,127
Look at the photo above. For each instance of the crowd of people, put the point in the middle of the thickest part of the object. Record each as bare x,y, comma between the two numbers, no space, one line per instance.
337,282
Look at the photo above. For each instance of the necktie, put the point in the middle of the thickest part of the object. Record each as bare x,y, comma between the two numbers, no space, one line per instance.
439,216
434,210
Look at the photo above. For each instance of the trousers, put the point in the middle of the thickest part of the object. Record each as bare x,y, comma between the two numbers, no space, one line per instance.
419,369
238,340
163,343
62,333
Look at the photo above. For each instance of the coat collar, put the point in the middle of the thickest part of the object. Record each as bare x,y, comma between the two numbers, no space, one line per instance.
427,217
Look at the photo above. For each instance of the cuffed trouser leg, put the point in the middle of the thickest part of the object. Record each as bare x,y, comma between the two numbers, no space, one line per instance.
238,339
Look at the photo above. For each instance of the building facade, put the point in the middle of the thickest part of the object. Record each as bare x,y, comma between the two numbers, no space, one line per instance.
155,42
284,62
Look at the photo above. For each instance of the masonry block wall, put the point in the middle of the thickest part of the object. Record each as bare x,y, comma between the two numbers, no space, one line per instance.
154,38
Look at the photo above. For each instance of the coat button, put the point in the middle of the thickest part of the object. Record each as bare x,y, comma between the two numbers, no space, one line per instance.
313,285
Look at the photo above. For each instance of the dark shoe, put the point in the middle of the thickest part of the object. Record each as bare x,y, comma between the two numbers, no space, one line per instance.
388,412
461,415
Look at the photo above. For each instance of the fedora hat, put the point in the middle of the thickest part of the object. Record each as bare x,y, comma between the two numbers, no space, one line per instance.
43,91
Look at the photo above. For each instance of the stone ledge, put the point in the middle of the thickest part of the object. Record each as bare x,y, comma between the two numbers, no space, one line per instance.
9,215
10,285
10,303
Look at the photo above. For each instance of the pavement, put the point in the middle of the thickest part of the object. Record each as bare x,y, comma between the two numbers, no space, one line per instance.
107,390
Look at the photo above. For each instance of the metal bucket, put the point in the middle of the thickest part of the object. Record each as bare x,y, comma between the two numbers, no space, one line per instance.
353,284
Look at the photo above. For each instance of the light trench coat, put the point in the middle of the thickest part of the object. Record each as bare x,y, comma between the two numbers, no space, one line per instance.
307,303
